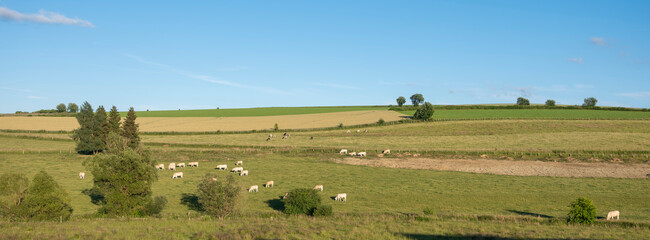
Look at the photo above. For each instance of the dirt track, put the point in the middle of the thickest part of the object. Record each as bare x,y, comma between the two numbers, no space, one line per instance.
506,167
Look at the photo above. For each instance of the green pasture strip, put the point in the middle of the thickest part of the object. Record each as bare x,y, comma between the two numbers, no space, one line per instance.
339,226
512,106
253,112
486,114
34,144
369,189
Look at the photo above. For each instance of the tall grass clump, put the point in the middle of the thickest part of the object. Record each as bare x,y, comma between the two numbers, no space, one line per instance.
582,211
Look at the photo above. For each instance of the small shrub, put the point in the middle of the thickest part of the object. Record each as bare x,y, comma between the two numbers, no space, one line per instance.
276,128
302,201
13,189
323,210
381,121
424,112
45,200
218,198
582,211
340,125
428,211
155,206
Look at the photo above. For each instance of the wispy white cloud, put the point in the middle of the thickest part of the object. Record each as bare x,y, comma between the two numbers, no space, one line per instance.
598,41
575,60
42,17
333,85
636,94
35,97
205,78
16,89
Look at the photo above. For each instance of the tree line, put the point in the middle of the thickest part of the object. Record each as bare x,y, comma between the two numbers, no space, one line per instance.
98,131
588,102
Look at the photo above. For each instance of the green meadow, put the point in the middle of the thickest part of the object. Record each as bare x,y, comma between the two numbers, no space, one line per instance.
534,114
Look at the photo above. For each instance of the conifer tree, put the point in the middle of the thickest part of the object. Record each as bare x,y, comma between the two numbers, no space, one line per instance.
130,129
114,120
102,126
87,142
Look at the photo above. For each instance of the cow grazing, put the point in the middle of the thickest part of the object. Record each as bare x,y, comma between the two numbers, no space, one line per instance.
82,175
353,153
239,163
269,184
193,164
268,139
387,151
317,187
361,154
613,214
214,179
341,197
222,166
253,188
160,166
343,151
180,165
177,175
284,137
237,169
416,155
171,166
243,173
348,131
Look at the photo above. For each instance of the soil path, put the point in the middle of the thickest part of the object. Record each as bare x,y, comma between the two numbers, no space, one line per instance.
507,167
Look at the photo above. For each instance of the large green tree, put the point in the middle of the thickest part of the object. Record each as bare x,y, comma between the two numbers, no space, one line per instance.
523,101
60,108
590,102
114,120
102,126
45,200
400,101
123,180
416,99
130,130
73,108
86,134
424,112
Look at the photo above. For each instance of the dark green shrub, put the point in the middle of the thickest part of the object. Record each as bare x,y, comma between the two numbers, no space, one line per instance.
323,210
276,128
13,189
155,206
424,112
45,200
340,125
302,201
217,197
381,121
582,211
428,211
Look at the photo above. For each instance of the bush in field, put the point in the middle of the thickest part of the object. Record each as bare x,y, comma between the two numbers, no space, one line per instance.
323,210
123,179
400,101
428,211
582,211
590,102
302,201
276,128
523,101
416,99
340,125
13,189
73,108
424,112
217,197
60,108
381,121
550,103
45,200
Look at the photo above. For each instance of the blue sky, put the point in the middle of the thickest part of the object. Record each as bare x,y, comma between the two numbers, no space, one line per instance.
205,54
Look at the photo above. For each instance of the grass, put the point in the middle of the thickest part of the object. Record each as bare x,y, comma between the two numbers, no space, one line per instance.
253,112
533,114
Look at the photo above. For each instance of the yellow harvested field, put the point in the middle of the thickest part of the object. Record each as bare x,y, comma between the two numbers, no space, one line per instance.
203,124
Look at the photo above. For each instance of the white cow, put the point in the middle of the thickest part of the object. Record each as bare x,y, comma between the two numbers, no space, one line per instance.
361,154
82,175
348,131
160,166
341,197
244,173
237,169
171,166
193,164
253,188
180,165
318,187
239,163
223,166
613,214
387,151
358,131
177,175
269,184
343,151
353,153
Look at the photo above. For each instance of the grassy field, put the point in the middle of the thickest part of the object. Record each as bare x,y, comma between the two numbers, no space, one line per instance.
214,124
253,112
534,114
